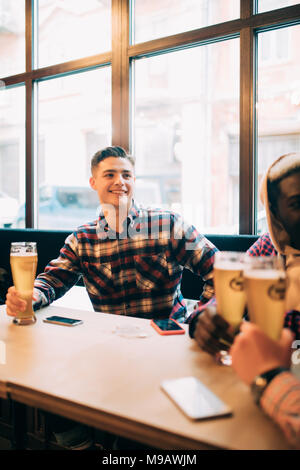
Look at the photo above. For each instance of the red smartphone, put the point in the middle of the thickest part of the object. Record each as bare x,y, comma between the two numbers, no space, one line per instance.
167,326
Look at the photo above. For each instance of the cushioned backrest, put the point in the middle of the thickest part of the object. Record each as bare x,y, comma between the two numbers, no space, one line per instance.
49,243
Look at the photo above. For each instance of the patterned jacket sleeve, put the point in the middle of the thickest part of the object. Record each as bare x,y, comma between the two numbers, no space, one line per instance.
281,401
59,275
262,247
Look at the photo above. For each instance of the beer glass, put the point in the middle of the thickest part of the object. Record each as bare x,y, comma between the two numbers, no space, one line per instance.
23,262
265,286
230,293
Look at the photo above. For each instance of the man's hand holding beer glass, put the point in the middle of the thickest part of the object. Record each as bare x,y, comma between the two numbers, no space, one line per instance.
23,260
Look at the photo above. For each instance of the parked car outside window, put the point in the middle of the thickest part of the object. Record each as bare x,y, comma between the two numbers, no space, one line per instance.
63,207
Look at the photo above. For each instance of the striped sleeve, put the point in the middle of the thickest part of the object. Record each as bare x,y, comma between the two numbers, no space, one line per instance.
59,275
281,401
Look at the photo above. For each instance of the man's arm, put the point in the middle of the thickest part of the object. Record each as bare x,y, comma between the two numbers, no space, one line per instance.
59,275
195,252
254,354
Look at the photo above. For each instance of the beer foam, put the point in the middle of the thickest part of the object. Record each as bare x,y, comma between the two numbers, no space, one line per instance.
229,265
264,274
23,254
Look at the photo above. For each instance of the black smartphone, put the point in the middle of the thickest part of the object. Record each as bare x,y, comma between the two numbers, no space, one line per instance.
62,321
167,326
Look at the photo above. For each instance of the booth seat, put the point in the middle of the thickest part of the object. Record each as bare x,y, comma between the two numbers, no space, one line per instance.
49,243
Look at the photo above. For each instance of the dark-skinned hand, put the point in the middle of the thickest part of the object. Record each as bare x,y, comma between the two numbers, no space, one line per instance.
212,332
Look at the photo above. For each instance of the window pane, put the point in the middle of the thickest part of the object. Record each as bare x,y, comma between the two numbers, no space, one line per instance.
278,100
12,37
12,154
266,5
74,114
160,18
186,134
71,29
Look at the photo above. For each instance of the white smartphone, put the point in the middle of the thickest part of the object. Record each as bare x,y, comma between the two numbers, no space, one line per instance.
57,320
194,398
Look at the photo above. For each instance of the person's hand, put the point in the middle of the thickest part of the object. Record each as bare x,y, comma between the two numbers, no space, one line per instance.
211,330
254,353
14,303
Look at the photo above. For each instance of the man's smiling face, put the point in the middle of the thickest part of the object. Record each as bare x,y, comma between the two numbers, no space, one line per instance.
114,179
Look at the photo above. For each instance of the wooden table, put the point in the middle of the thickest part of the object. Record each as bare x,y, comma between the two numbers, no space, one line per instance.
91,374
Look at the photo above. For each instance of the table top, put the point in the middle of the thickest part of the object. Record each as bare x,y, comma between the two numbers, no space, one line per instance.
92,374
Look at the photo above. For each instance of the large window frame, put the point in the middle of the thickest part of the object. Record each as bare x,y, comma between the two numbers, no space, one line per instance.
121,55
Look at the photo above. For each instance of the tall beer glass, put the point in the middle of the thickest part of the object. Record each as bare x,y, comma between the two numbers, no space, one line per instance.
23,262
230,294
265,285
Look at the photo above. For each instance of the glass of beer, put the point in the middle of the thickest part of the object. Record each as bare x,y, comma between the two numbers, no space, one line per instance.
265,286
230,293
23,262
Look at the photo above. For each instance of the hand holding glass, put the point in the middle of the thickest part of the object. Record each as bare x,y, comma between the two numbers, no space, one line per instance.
230,294
23,261
265,286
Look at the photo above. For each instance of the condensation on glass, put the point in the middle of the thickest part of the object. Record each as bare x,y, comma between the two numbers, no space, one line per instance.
159,18
12,37
74,121
72,29
267,5
186,134
12,154
278,101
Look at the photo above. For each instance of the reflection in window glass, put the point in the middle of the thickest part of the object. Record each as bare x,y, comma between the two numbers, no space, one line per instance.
266,5
186,134
160,18
74,121
12,37
71,29
12,155
278,101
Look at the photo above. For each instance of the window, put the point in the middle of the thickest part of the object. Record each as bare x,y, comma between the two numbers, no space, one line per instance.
70,108
265,5
72,29
12,153
278,102
160,18
162,79
185,117
12,37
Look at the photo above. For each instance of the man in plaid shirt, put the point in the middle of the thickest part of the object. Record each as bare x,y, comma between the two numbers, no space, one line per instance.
131,258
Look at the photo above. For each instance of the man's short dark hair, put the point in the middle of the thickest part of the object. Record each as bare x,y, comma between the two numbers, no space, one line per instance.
117,152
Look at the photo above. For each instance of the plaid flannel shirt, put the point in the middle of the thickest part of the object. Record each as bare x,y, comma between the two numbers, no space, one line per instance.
136,272
281,401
